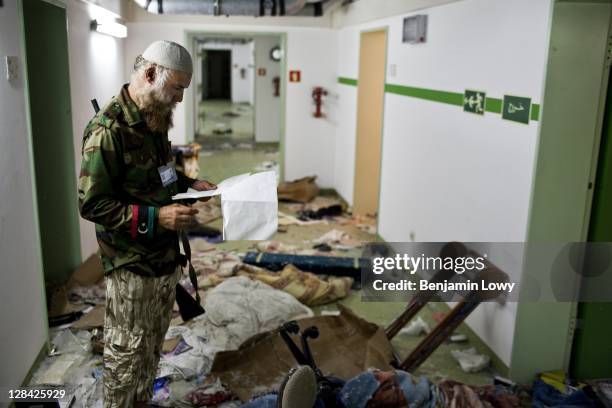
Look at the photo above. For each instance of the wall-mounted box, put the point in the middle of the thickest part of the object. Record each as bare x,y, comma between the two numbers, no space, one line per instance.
415,29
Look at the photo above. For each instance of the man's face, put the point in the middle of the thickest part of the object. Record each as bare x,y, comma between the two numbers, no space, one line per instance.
157,101
175,85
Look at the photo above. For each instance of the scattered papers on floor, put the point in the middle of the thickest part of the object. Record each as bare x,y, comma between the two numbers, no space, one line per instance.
470,361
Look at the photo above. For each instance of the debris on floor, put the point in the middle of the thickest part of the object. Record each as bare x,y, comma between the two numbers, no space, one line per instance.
364,346
209,395
321,207
457,394
287,219
416,327
458,338
366,223
338,239
267,165
222,129
91,320
324,265
470,361
306,287
186,158
603,391
302,190
244,294
546,395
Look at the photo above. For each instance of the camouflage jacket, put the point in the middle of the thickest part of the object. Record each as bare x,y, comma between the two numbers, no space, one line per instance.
120,189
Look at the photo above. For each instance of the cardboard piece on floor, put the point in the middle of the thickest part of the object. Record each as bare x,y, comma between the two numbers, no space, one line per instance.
90,272
302,190
170,345
91,320
347,346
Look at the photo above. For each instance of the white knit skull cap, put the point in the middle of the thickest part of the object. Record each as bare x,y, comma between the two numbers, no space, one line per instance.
169,55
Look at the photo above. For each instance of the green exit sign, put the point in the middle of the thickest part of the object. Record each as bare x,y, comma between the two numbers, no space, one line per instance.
516,108
474,101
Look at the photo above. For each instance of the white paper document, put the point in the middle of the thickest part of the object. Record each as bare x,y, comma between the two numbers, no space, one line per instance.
225,185
249,205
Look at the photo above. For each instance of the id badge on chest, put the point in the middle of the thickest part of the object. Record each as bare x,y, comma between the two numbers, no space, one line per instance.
167,174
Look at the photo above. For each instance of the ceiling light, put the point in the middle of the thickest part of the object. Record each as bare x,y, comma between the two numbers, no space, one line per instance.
110,28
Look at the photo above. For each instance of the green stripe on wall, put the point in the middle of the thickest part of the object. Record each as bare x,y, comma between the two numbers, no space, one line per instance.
451,98
347,81
493,105
535,111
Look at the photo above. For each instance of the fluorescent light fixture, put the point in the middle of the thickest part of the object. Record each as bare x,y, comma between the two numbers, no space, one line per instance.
109,28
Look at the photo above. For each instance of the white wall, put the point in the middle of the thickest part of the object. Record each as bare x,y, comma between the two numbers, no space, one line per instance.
242,59
267,106
22,316
96,71
449,175
308,142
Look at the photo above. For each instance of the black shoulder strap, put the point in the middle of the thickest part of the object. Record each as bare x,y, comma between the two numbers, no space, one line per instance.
192,273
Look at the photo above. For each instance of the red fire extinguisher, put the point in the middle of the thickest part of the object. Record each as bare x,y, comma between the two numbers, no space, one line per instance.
317,95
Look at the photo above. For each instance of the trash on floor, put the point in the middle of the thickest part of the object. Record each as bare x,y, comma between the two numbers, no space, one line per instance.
470,361
170,344
222,129
287,219
302,190
545,395
161,390
457,394
209,395
190,358
321,207
458,338
325,265
306,287
603,391
276,247
88,273
239,308
366,223
186,159
416,327
338,239
364,345
57,372
91,320
266,165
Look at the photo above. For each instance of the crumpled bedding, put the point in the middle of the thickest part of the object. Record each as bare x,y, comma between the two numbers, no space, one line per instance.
239,308
236,310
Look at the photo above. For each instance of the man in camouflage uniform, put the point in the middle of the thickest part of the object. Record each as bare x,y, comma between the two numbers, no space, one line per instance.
125,188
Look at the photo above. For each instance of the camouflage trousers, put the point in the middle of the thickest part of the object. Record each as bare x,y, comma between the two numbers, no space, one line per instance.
138,313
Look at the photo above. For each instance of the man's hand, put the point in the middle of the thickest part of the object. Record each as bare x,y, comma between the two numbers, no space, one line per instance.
176,217
203,185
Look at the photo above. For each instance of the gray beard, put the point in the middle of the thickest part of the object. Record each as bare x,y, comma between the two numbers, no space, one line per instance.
156,111
158,116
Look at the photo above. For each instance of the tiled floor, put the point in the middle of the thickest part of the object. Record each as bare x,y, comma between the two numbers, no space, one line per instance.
221,163
222,121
